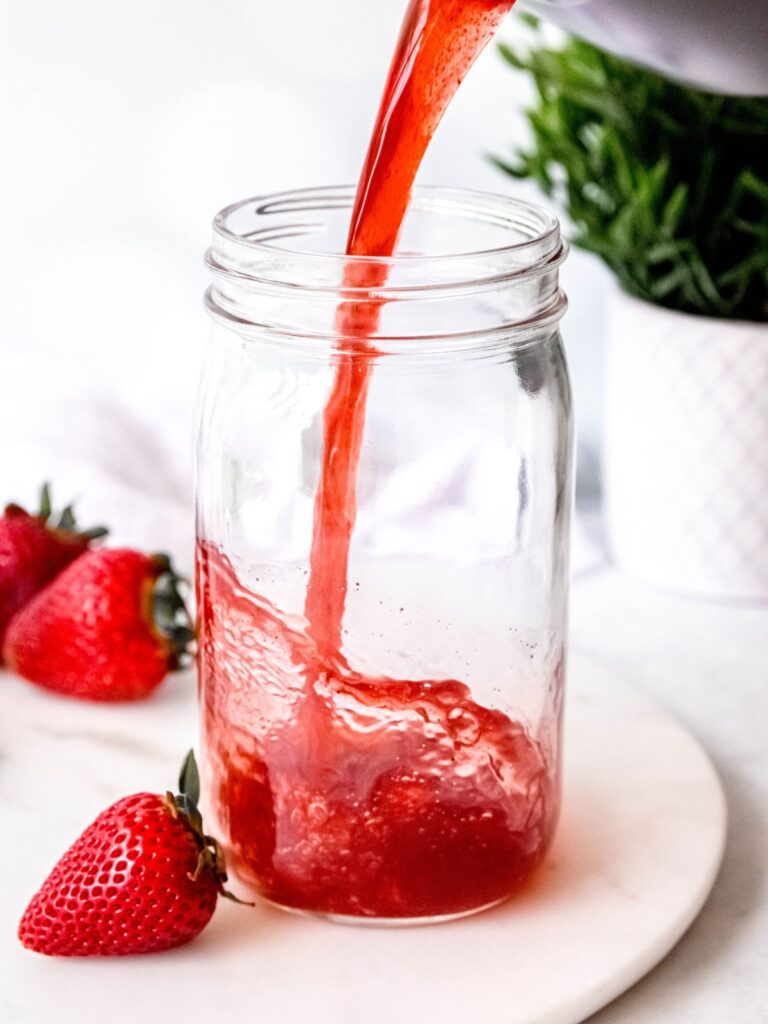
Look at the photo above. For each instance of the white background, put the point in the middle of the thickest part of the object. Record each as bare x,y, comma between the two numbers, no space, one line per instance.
125,127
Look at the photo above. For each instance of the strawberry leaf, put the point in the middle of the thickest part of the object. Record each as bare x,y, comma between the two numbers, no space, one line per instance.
65,520
169,612
189,778
46,507
184,805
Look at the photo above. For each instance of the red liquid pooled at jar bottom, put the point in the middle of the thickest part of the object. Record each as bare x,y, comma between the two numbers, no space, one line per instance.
335,792
346,794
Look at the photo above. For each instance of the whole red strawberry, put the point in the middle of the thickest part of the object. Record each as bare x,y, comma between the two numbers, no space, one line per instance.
109,627
143,877
34,549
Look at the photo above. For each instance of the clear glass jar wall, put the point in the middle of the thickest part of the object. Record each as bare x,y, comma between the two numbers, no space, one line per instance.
410,771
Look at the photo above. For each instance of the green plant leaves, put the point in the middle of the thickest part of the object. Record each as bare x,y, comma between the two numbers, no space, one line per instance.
667,184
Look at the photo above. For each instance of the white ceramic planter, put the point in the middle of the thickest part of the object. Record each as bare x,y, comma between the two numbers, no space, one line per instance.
686,449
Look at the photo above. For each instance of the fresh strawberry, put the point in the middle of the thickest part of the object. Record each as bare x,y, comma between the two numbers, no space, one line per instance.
109,627
143,877
34,549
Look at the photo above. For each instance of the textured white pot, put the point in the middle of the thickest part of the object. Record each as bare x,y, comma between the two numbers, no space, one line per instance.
686,449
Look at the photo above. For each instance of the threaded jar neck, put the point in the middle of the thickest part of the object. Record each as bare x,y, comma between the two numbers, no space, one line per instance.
472,270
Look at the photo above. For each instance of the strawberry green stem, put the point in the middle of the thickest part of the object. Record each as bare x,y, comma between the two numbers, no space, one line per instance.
63,521
184,806
169,612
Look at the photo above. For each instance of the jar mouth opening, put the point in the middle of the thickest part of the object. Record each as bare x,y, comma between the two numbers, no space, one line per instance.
296,238
471,269
274,216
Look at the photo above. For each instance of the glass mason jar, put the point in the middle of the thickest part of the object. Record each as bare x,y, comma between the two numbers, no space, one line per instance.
402,764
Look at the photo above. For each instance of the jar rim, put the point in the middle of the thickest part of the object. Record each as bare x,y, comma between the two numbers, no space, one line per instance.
268,278
505,211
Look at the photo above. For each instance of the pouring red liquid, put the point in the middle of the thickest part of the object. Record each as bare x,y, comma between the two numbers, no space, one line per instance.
339,792
439,42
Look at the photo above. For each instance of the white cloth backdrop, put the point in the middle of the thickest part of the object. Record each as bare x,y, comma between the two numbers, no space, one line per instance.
125,127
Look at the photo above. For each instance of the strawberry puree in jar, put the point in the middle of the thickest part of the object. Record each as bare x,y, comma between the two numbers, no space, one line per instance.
383,494
347,794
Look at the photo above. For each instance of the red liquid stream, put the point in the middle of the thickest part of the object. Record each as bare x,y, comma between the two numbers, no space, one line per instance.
337,792
438,44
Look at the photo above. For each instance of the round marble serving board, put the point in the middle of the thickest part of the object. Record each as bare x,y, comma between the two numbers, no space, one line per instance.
639,845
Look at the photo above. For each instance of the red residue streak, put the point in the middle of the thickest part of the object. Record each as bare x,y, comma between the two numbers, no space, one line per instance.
336,792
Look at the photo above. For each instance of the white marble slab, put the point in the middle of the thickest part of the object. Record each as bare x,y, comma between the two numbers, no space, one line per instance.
636,854
708,663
